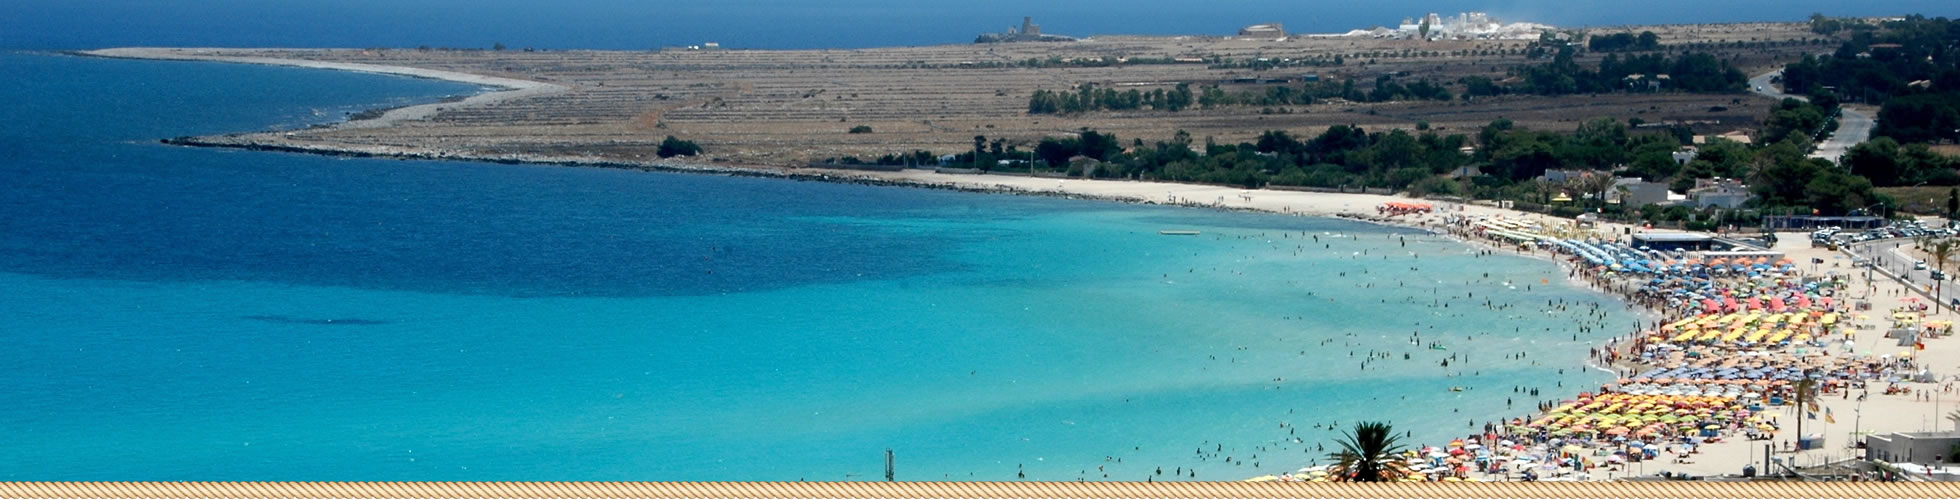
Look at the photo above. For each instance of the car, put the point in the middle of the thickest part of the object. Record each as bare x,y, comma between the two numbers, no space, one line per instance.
1939,276
1919,266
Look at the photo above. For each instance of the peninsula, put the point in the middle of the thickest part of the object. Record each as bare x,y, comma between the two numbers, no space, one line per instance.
787,108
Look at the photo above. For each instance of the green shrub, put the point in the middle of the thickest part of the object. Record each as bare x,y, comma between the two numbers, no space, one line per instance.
673,147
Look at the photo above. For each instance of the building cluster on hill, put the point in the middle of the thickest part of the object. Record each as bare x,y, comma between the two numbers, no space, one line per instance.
1463,26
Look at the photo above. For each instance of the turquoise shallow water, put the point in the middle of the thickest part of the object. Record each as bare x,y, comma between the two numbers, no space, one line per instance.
180,313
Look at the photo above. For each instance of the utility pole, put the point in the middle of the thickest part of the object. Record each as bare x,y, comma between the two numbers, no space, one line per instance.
1859,420
1766,450
891,466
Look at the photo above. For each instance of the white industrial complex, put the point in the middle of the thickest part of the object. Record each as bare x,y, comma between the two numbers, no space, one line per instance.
1463,26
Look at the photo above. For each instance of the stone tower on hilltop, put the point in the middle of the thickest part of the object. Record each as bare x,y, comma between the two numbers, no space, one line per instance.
1028,27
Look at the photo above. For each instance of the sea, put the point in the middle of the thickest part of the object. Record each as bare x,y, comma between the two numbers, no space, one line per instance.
801,24
172,313
176,313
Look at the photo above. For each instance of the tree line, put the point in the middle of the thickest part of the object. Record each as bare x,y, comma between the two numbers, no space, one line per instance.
1693,72
1910,67
1646,40
1500,161
1089,97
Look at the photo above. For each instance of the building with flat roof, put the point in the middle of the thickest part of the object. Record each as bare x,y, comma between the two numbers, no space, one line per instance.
1273,30
1674,241
1774,222
1639,193
1912,447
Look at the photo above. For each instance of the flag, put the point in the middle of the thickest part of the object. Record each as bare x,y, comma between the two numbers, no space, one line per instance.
1813,406
1813,415
1828,418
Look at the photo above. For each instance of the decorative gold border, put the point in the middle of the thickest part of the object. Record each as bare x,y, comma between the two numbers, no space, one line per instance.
1005,490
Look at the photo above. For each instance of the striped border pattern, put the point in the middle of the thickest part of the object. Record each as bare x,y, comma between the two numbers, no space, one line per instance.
988,490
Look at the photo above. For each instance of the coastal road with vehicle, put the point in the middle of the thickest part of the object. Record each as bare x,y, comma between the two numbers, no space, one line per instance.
1761,85
1854,126
1890,255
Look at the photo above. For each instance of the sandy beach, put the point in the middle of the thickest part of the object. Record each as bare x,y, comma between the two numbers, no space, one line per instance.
1874,412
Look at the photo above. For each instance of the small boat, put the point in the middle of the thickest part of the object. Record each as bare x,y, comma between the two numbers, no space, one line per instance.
1178,232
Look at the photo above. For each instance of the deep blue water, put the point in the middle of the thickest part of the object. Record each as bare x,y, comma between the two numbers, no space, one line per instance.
634,24
179,313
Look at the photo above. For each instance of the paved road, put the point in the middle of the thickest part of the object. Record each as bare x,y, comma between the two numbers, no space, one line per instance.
1761,85
1853,126
1890,254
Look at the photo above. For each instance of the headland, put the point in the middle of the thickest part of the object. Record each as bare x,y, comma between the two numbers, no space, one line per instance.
789,108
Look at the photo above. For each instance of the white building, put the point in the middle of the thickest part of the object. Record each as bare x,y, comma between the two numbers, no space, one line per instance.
1639,193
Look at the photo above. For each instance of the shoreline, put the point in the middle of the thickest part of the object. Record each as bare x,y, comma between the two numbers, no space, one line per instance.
1282,202
501,89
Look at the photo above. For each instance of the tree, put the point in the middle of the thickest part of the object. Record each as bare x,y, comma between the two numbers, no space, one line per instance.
1424,28
1920,118
861,129
1368,453
1878,160
1653,166
1648,41
1955,418
1834,192
1952,203
673,147
499,46
1805,393
1543,188
1941,252
1595,184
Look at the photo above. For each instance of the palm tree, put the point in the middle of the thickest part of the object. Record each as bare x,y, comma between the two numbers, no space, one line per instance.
1942,251
1955,418
1595,184
1368,454
1804,394
1544,188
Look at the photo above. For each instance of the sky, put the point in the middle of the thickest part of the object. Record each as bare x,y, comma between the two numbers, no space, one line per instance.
645,24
